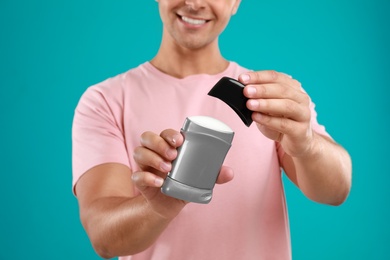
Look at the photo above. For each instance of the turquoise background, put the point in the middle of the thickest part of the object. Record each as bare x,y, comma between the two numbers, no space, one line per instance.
51,51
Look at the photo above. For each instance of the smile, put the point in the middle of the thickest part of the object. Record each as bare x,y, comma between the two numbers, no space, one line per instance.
193,21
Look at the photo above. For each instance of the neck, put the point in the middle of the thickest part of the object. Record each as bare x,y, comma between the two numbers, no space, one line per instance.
181,62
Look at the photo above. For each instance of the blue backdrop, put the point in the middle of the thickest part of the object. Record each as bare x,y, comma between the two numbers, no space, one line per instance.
51,51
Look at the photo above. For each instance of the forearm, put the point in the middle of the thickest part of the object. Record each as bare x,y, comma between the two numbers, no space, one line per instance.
122,226
324,174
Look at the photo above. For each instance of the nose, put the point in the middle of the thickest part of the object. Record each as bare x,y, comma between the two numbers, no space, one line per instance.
194,4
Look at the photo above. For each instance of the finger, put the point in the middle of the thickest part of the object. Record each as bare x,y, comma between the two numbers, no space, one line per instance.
172,137
225,175
280,108
159,145
276,90
271,134
264,76
280,124
146,179
146,158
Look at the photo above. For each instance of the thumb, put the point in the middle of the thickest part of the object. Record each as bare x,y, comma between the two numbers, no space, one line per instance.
226,174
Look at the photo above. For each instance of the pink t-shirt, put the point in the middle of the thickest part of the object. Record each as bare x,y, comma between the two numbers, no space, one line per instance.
246,218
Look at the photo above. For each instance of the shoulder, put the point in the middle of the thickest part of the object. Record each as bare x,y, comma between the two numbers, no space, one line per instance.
114,88
116,83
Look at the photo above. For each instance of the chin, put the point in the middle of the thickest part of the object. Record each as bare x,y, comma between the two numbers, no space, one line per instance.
194,44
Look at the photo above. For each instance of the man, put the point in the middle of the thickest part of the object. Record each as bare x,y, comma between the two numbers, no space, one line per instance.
125,136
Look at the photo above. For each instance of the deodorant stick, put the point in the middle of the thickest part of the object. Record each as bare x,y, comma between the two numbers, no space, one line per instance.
196,168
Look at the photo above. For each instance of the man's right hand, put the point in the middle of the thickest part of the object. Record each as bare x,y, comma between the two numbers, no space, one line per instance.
154,158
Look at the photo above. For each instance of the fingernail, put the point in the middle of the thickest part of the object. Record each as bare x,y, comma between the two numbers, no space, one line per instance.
171,154
158,182
251,90
259,117
134,177
245,78
253,103
175,138
165,166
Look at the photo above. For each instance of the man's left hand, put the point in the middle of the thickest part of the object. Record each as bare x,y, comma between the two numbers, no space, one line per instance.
281,109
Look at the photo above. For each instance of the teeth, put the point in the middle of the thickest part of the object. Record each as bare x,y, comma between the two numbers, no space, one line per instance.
193,21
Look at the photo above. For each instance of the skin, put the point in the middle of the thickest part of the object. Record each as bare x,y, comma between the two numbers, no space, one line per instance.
321,168
119,222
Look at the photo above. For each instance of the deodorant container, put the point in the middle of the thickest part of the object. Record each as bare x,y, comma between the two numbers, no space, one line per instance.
200,158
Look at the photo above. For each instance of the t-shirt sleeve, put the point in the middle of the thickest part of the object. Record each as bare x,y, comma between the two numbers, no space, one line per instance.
320,129
97,133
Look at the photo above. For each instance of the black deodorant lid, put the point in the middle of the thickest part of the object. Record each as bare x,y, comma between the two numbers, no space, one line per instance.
231,92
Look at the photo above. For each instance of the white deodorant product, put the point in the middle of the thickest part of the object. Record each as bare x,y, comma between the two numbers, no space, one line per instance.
196,168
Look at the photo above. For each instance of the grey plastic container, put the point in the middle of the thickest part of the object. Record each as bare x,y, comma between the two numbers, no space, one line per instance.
196,168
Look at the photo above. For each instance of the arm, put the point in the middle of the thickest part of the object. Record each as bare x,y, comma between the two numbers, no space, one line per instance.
119,222
116,221
324,174
281,110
